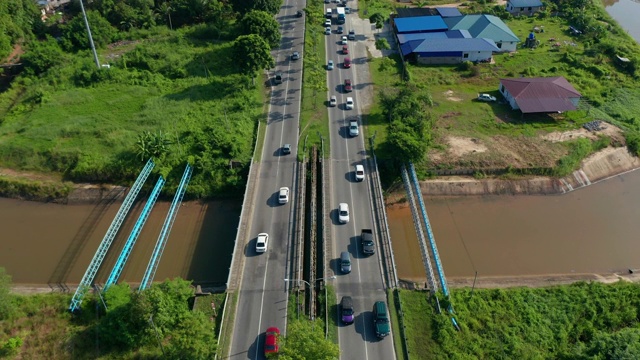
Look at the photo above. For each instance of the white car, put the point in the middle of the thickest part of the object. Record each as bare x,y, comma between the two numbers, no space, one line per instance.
283,195
359,171
262,242
333,101
353,128
343,213
327,31
343,40
330,65
349,103
327,23
486,97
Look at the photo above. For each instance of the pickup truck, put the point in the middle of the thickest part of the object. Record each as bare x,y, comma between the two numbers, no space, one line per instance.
366,239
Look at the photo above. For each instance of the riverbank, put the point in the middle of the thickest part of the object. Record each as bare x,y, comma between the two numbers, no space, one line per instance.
599,166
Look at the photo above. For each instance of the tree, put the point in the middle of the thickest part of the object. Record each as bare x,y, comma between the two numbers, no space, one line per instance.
75,35
252,53
42,55
382,44
263,24
244,6
386,63
305,340
127,14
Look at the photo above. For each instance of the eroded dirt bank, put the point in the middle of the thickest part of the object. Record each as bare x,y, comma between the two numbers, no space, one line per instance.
597,167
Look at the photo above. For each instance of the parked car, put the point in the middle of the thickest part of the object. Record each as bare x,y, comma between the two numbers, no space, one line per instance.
347,85
262,242
359,172
345,50
347,63
283,195
271,341
349,103
295,56
330,65
333,101
286,149
343,213
353,128
486,97
346,310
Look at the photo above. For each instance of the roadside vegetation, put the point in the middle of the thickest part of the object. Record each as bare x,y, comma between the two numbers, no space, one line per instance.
177,84
578,321
502,140
124,324
314,119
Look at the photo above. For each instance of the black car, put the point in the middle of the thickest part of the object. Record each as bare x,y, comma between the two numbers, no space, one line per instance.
299,13
340,30
278,78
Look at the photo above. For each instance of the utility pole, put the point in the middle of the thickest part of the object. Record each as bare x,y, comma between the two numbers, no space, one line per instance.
93,47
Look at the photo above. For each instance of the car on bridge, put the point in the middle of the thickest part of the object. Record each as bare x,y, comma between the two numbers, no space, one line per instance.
286,149
295,56
343,213
359,171
271,345
353,131
262,242
381,319
283,195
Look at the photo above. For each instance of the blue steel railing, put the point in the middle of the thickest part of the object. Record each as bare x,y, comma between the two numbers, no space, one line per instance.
426,259
131,241
432,241
150,273
90,274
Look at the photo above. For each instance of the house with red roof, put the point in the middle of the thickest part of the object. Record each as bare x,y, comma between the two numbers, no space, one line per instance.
540,95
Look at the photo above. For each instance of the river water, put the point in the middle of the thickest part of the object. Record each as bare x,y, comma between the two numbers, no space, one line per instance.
53,244
626,13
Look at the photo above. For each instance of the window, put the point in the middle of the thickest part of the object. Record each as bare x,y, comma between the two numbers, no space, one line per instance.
499,45
501,88
465,56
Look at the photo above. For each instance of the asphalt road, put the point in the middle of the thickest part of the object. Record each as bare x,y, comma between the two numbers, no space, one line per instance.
262,299
365,283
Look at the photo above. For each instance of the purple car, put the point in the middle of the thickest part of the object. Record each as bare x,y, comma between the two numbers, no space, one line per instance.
346,310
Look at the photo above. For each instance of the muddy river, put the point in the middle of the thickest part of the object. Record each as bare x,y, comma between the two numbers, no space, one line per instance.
53,244
591,230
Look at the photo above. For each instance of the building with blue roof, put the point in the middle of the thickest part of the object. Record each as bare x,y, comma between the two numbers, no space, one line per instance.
419,24
448,50
523,7
485,26
454,34
448,11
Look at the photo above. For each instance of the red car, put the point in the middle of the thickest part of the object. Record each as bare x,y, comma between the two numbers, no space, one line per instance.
345,50
347,85
271,341
347,63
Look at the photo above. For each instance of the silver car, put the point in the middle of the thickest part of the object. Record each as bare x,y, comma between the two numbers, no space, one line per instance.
262,242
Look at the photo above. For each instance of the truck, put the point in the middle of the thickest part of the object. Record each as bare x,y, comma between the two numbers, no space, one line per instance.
366,239
341,15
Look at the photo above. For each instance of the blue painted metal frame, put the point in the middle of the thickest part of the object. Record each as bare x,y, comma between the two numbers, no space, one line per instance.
131,241
432,241
90,274
150,273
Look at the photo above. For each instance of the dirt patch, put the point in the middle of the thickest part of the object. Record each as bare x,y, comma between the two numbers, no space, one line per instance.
451,96
614,132
459,146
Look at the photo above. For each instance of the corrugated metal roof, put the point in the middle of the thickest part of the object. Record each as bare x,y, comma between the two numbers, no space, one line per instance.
413,12
407,48
453,34
448,11
541,94
525,3
482,26
441,45
420,23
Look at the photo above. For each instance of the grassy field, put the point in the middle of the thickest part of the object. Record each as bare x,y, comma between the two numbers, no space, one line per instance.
501,137
577,321
86,123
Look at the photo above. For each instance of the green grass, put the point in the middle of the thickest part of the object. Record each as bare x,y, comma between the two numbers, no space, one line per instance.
582,320
314,118
332,303
227,326
85,123
394,315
